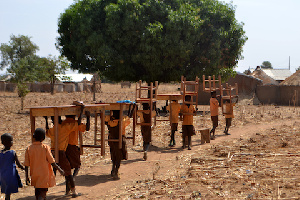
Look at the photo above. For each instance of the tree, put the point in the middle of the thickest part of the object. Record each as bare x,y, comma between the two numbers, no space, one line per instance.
19,47
298,68
19,56
52,66
151,39
266,65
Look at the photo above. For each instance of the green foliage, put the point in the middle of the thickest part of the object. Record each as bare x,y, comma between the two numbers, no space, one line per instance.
52,66
28,69
298,68
266,65
19,47
19,55
22,90
151,39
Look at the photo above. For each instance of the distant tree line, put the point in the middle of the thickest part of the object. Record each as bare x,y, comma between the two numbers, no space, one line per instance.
19,58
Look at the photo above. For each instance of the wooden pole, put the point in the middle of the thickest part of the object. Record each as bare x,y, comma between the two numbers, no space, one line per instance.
203,77
134,125
209,83
56,134
120,126
102,119
32,122
96,128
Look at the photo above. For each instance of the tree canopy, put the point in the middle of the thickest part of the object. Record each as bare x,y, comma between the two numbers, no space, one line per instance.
266,65
151,39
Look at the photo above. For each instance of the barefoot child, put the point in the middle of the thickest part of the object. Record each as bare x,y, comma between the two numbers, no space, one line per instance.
228,113
116,153
9,178
214,112
73,151
174,109
66,127
187,110
146,129
40,160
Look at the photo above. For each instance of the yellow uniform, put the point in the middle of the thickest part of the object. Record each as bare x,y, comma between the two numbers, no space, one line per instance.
187,114
39,158
174,112
64,130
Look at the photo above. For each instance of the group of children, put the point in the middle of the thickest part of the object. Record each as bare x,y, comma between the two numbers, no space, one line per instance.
186,111
39,157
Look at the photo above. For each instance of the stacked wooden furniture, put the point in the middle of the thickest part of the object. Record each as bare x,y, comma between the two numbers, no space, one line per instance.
185,90
212,84
57,111
146,94
228,93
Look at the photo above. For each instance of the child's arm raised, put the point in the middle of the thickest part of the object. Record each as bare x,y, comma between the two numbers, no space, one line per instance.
18,162
88,123
58,168
26,175
47,125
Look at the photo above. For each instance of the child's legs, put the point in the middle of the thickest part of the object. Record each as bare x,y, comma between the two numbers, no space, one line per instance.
184,134
228,124
70,180
73,156
40,193
146,146
214,120
190,132
174,129
117,165
7,196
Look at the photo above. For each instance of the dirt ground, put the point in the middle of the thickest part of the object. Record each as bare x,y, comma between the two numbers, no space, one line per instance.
259,160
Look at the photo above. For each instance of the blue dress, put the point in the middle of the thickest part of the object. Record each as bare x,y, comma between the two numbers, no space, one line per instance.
9,178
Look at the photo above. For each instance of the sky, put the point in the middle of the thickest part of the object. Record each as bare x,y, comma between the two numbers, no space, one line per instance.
272,28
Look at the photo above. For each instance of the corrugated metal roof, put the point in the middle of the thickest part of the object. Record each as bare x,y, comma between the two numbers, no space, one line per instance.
278,74
75,77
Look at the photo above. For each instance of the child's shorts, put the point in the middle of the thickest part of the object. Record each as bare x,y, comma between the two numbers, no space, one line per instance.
63,162
174,126
187,130
215,120
228,121
73,155
41,192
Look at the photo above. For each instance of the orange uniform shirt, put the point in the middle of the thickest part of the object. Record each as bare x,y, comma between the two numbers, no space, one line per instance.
113,123
39,158
73,137
175,106
67,127
187,119
214,107
228,110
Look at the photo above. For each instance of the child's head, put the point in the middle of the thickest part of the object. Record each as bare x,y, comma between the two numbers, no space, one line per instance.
116,114
146,106
39,134
187,98
70,116
175,101
213,94
59,119
7,140
227,100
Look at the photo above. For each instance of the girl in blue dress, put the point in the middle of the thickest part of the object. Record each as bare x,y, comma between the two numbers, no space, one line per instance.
9,178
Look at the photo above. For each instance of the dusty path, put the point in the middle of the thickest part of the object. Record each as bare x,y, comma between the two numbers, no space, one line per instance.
96,183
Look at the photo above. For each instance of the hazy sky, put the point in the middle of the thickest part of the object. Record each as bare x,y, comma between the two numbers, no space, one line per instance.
272,28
